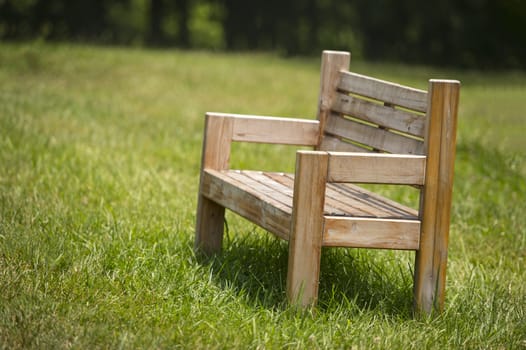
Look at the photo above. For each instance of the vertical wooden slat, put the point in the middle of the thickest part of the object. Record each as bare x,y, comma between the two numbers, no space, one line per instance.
431,258
307,227
331,64
216,155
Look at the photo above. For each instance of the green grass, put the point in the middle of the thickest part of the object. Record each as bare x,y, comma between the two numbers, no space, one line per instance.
99,162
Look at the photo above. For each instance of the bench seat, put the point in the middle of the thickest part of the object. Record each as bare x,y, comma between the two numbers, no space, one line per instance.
266,198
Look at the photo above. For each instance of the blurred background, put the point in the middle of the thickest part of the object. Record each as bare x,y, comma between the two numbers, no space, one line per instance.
459,33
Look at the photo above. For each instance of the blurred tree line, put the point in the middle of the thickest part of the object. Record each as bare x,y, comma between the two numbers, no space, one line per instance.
466,33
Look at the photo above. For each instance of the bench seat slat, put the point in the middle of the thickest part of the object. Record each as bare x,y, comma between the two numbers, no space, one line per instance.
375,205
266,199
352,200
335,203
247,201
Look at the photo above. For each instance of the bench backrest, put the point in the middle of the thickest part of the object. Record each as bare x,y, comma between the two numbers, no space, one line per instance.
362,114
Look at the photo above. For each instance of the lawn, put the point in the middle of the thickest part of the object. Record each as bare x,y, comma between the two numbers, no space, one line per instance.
99,163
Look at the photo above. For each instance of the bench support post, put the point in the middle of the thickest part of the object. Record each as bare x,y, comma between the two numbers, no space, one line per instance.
431,258
306,232
332,62
216,155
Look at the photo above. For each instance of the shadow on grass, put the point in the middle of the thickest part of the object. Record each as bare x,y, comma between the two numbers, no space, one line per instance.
255,266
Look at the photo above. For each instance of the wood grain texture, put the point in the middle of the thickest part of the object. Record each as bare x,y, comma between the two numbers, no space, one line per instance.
371,233
276,190
262,129
210,215
332,62
376,168
379,114
307,227
254,204
385,91
352,200
372,136
216,143
431,258
371,203
337,144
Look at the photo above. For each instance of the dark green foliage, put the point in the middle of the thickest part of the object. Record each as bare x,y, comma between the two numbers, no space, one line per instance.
465,33
468,33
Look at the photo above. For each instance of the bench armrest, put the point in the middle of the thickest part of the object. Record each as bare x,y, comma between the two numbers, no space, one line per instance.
378,168
221,129
287,131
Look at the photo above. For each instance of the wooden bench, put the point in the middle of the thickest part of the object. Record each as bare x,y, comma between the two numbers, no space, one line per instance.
367,131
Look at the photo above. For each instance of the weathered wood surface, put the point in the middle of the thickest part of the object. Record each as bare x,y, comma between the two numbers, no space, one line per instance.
287,131
307,227
254,204
266,199
332,62
385,91
371,233
338,144
216,143
332,205
431,258
379,114
210,214
376,168
340,198
377,138
363,203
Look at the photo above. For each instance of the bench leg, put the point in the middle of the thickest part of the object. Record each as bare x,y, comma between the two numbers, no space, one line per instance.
430,280
306,234
209,226
431,258
304,267
210,215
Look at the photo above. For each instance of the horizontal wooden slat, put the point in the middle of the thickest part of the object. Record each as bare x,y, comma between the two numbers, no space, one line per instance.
369,135
375,205
261,184
287,180
385,91
371,233
348,199
266,199
376,168
253,205
284,185
331,143
386,116
289,131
